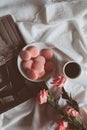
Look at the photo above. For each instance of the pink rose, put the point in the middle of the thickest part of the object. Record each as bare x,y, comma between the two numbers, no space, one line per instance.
42,96
63,125
72,112
59,81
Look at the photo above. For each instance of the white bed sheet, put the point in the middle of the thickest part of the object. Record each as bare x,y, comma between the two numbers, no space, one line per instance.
61,25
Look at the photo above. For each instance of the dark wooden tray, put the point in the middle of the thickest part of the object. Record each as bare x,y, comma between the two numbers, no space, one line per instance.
14,89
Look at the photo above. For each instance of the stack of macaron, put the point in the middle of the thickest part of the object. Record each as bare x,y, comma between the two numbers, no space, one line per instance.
36,62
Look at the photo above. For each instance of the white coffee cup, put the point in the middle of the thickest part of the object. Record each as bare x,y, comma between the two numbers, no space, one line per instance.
72,69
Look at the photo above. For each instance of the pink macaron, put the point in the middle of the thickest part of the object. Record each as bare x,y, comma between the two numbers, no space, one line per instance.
40,58
42,74
34,51
25,55
47,53
37,65
32,74
27,64
49,66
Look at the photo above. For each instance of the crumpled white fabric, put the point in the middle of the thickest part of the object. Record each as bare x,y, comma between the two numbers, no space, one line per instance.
61,25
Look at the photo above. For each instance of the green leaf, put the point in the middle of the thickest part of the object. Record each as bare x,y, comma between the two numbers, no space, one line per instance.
69,100
64,94
51,100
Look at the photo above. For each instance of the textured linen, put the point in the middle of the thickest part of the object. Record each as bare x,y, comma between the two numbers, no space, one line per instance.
61,25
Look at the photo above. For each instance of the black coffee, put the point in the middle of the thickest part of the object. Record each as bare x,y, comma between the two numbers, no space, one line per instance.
72,70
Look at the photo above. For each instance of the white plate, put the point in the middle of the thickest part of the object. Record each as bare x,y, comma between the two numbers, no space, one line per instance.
41,46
